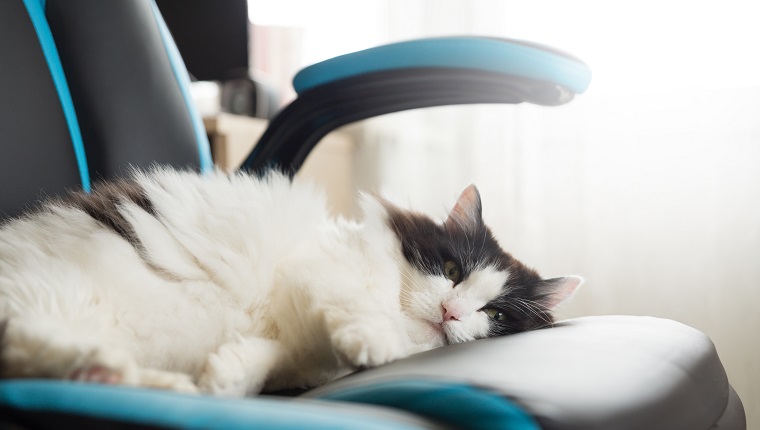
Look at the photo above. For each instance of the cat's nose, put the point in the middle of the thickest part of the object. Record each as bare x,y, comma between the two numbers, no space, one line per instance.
451,312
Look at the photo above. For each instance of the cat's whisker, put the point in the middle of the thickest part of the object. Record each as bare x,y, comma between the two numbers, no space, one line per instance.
464,231
526,307
411,282
484,236
522,309
540,311
536,309
405,274
405,294
559,316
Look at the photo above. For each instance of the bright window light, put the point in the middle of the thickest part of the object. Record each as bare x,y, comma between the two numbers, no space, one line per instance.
646,46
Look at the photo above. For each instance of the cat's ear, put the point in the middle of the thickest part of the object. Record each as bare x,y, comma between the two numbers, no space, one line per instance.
552,292
468,211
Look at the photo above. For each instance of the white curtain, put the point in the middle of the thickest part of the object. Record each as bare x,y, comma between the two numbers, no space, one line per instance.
648,185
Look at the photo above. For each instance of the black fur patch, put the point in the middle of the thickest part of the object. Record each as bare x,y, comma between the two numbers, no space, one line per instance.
104,202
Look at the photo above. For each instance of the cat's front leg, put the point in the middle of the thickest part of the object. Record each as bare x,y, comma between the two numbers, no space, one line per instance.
335,295
361,330
240,366
365,339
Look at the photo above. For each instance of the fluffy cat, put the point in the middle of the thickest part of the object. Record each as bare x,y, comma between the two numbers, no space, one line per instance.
231,284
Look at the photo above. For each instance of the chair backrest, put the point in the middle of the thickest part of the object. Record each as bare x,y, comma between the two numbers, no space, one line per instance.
88,88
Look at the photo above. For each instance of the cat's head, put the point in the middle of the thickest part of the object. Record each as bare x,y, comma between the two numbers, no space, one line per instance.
458,284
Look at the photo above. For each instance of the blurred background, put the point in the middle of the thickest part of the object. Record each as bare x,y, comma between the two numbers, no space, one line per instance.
648,184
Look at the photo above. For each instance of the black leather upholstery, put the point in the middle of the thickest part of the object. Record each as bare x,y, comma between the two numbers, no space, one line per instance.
130,107
127,101
37,154
592,373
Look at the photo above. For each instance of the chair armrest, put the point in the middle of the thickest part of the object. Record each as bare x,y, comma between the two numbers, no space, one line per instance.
411,75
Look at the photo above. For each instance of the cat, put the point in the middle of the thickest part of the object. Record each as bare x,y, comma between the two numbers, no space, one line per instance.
236,284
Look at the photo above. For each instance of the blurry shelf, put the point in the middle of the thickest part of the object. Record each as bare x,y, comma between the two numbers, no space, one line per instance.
330,164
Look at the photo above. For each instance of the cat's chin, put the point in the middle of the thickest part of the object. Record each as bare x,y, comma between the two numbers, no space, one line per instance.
427,334
437,328
442,333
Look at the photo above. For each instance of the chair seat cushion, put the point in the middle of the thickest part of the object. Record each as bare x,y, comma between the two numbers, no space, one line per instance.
620,372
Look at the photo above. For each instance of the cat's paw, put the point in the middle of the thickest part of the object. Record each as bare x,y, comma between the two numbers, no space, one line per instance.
174,381
223,374
105,366
97,373
112,366
239,368
362,345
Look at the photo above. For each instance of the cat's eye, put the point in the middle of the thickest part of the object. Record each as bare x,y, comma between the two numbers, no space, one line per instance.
451,271
495,314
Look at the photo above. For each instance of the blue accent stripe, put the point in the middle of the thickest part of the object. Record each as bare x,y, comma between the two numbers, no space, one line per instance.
456,404
36,10
183,79
172,410
476,53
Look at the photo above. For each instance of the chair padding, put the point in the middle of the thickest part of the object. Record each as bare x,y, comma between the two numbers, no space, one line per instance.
129,102
589,373
461,406
36,153
61,404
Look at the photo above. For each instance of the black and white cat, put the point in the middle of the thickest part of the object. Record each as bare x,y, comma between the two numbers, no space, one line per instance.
232,284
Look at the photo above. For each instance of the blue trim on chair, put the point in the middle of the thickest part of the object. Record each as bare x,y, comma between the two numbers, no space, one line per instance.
476,53
36,10
183,79
456,404
171,410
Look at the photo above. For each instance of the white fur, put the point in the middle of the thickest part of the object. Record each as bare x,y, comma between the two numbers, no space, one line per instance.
250,284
